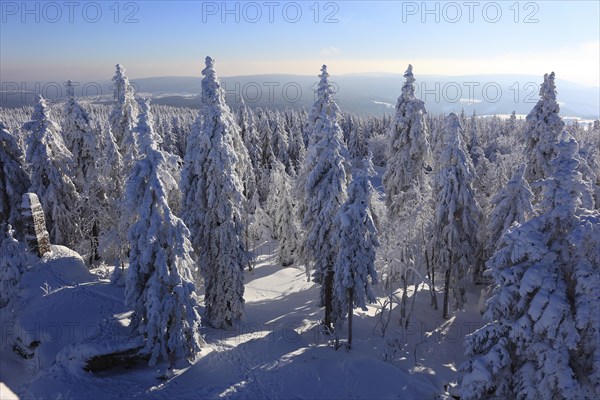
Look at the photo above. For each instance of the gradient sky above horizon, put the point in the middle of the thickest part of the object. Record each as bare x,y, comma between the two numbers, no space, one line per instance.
172,39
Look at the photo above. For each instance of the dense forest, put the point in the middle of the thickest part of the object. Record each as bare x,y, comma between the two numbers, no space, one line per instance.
168,200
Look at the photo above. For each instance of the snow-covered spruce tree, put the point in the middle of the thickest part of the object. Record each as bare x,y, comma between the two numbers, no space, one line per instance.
51,169
159,285
265,135
543,127
589,173
249,135
14,181
108,190
272,203
279,141
172,163
589,156
486,183
323,191
409,154
213,200
13,260
358,146
511,124
312,132
178,135
266,154
408,191
243,166
542,337
511,204
282,209
78,137
296,148
260,223
457,216
123,117
167,134
85,145
585,249
356,239
324,103
473,144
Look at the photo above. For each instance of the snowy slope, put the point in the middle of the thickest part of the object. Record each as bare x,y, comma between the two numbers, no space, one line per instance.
277,351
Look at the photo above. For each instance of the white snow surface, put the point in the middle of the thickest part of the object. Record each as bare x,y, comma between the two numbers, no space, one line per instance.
276,352
6,393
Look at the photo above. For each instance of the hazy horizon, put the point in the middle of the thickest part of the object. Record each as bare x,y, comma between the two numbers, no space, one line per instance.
83,40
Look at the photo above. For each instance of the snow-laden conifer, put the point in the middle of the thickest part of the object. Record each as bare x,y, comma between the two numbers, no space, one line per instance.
283,211
13,261
279,141
324,181
159,284
511,204
14,181
51,168
85,143
409,154
541,340
457,216
296,147
543,127
249,134
356,239
123,117
213,203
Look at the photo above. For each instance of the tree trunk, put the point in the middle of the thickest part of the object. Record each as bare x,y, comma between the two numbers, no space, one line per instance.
247,242
479,267
404,294
328,287
431,273
94,256
433,292
446,294
350,312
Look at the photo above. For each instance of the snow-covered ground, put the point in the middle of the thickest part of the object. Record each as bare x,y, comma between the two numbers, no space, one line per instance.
278,351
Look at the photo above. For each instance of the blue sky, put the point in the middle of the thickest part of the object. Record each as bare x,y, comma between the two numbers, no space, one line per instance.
172,38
